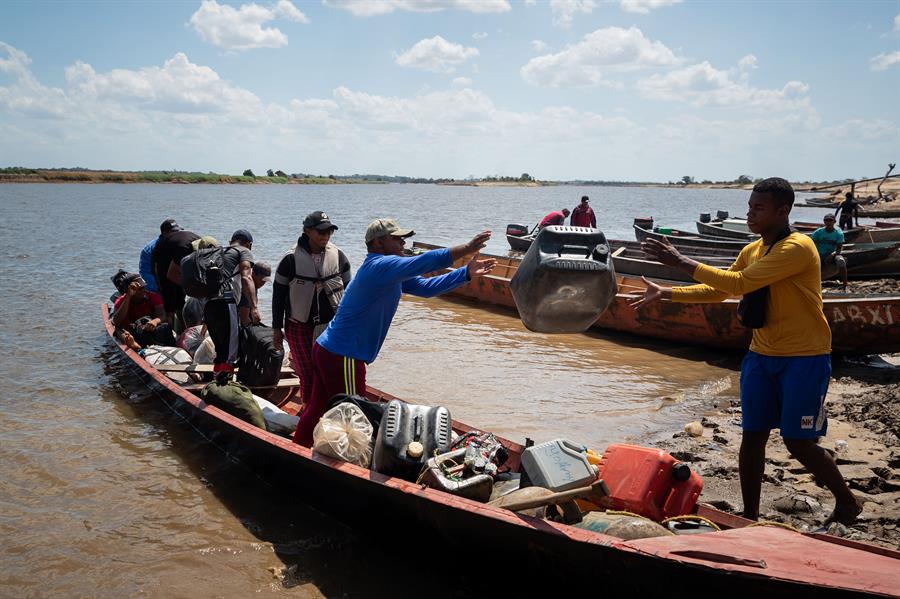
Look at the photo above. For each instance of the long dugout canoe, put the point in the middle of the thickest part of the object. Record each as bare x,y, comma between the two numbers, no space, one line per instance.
860,325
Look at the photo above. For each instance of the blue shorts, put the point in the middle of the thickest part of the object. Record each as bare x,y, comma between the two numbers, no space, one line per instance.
785,392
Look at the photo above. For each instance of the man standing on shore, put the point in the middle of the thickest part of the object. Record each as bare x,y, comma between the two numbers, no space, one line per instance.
849,210
583,215
785,375
355,335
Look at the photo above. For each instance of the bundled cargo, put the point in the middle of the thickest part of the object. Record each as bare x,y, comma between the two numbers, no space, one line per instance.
565,281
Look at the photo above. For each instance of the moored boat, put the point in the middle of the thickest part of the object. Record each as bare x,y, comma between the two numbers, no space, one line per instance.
860,324
759,559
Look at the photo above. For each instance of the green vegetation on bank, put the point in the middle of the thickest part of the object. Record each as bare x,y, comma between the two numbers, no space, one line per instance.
19,174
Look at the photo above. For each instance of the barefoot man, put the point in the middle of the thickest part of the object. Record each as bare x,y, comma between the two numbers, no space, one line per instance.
785,375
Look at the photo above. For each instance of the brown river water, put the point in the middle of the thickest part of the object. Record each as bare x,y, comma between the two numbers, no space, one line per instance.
105,493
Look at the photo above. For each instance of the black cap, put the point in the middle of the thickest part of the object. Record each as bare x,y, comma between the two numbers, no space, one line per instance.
123,279
318,220
242,235
169,226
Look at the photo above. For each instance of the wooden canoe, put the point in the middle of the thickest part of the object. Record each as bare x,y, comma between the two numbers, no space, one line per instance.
763,560
718,229
860,325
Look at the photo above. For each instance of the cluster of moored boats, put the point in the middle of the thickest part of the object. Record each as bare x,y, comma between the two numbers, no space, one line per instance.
871,251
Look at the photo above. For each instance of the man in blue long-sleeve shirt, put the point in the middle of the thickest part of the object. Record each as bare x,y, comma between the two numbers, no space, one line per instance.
355,335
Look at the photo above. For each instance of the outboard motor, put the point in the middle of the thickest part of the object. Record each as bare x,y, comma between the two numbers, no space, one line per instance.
565,281
516,230
721,214
704,217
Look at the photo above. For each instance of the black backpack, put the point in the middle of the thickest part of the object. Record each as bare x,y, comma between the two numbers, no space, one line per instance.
259,363
202,273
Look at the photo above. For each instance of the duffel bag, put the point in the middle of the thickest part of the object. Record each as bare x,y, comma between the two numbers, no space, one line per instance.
235,399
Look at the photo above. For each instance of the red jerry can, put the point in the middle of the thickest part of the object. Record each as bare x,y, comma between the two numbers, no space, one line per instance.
649,482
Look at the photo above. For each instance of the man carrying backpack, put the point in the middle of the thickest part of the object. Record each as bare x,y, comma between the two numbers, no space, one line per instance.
227,274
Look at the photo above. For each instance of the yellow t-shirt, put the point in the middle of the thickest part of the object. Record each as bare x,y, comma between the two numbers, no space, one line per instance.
795,324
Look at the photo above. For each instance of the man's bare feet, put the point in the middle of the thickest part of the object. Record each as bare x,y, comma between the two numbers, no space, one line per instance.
845,513
128,340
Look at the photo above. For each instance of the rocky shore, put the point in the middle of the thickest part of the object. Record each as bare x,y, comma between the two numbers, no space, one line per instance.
863,435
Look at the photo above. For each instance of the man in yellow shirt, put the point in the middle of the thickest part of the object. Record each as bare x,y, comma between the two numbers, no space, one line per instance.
785,375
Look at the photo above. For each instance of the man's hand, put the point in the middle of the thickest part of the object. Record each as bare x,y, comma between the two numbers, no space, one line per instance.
255,318
151,324
653,293
478,242
277,338
479,268
133,288
662,252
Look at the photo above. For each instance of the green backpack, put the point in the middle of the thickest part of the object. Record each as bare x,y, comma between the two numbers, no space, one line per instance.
234,398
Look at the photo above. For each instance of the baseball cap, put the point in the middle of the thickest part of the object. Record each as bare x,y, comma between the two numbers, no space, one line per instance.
204,242
386,226
318,220
829,216
242,235
262,270
123,279
169,226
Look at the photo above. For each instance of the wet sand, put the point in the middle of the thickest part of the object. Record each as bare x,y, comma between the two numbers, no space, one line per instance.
863,434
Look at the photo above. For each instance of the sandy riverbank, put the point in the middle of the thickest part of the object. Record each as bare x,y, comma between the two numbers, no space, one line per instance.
863,431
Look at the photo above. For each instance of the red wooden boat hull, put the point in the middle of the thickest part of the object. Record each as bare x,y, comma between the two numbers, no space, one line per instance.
537,549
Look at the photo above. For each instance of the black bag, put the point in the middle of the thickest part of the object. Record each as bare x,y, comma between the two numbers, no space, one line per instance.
752,307
202,273
259,362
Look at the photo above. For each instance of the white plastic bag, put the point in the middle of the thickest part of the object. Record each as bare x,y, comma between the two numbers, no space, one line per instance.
344,433
277,420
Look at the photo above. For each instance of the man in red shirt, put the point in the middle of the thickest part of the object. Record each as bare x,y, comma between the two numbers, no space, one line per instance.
139,313
583,215
554,218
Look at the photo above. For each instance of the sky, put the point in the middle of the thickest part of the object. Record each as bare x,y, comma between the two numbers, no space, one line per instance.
627,90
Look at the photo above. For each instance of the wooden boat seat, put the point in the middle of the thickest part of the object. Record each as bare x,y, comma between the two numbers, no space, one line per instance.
201,368
289,382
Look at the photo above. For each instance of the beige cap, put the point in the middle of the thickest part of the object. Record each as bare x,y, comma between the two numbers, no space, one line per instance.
415,450
207,241
386,226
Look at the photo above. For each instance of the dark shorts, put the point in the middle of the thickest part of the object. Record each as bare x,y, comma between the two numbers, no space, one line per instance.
787,393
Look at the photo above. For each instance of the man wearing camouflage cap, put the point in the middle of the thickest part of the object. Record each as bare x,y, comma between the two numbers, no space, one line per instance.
355,335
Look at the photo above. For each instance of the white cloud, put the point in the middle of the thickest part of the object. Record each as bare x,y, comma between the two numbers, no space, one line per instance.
704,85
860,129
372,8
539,46
242,29
747,62
564,10
479,35
885,61
179,86
436,55
645,6
587,62
462,82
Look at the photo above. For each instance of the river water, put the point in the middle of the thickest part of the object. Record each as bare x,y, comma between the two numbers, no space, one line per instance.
104,493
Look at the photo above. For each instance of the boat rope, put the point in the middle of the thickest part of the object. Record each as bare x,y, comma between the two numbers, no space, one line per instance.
776,525
689,518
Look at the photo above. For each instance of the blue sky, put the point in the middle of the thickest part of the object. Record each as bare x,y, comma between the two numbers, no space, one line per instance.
561,89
